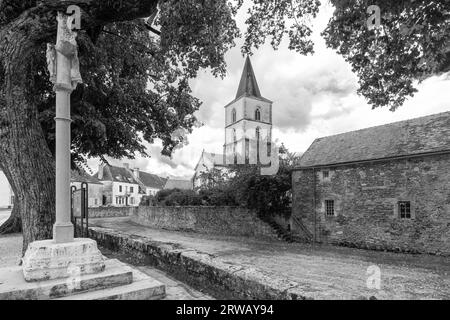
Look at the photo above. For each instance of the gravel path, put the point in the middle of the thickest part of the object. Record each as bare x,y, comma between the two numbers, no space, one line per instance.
10,250
336,272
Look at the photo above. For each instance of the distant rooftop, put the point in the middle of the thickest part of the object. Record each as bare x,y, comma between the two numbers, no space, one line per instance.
83,176
179,184
152,180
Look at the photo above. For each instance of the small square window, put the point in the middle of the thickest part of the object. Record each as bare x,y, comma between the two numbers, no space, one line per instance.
329,207
326,174
404,209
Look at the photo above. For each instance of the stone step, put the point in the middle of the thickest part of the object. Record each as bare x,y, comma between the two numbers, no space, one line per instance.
14,287
118,281
147,289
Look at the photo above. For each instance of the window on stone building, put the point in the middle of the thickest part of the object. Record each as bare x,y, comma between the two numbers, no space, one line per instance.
120,188
131,189
329,207
233,115
404,209
325,174
258,115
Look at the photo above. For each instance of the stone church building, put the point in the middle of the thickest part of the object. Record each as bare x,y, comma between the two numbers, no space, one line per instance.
384,188
248,129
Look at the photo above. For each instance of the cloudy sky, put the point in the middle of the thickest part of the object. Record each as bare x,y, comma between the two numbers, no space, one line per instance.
313,96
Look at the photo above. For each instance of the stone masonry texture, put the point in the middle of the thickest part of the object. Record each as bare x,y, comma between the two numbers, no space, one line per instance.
229,221
366,200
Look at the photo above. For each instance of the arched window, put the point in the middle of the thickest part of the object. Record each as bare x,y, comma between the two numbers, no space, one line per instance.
234,135
233,115
258,134
258,115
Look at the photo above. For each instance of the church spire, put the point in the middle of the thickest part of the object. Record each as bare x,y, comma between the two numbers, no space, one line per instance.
248,85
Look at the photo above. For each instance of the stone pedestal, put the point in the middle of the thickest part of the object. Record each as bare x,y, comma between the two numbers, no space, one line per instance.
118,282
47,260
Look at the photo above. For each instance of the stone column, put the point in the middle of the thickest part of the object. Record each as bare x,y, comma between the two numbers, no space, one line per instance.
63,228
59,257
65,75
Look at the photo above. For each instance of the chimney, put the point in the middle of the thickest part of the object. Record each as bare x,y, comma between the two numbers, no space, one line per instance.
100,171
136,173
126,166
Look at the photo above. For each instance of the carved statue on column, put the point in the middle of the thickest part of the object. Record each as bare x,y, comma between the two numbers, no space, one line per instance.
66,45
51,61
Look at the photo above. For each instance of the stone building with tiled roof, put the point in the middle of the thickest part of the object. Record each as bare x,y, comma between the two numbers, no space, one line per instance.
385,187
248,128
149,183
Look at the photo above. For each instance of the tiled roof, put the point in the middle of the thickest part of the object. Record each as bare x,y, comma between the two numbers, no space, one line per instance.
212,159
152,180
83,176
248,84
404,138
179,184
117,174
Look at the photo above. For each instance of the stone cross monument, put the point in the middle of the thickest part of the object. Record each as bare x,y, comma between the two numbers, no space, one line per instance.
57,258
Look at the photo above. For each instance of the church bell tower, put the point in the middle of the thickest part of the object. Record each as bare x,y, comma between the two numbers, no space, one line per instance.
248,119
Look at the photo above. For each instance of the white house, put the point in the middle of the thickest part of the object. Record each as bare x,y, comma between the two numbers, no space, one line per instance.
120,188
6,194
123,186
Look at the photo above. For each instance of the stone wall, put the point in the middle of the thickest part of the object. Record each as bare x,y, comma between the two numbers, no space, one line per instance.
229,221
217,277
110,212
366,200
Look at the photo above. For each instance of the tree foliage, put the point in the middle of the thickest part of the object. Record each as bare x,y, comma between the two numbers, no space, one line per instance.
412,44
243,185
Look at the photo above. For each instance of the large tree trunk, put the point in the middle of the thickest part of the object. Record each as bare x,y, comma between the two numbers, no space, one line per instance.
24,153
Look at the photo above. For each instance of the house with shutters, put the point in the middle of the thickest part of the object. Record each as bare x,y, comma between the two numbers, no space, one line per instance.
385,187
123,186
120,188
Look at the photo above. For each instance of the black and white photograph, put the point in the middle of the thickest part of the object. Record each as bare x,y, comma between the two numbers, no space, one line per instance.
220,157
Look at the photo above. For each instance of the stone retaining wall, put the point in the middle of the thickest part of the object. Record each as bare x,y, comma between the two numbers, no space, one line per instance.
110,212
229,221
200,270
